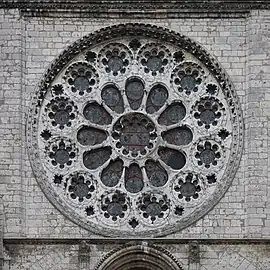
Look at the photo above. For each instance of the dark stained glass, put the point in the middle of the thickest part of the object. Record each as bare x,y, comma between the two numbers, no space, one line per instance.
156,99
90,136
134,92
96,114
156,174
111,175
178,136
173,114
173,158
133,179
112,98
95,158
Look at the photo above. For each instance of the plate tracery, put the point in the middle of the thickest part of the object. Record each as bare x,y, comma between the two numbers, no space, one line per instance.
149,114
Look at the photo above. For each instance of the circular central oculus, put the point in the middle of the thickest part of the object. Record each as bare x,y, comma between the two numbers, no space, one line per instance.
134,134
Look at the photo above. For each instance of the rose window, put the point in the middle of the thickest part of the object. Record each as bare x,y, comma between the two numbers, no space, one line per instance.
140,134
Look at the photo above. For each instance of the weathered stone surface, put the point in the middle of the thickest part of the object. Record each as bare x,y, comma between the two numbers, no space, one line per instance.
239,42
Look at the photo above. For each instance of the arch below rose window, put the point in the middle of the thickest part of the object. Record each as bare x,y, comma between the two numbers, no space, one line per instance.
139,257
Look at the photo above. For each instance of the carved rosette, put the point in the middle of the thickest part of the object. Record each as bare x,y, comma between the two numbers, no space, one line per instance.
139,135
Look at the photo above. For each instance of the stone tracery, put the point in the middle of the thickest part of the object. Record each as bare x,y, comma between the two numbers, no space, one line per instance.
130,124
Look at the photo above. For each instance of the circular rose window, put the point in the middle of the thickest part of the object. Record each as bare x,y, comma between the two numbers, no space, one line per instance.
135,130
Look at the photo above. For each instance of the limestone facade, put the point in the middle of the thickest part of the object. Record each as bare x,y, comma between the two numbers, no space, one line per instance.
34,234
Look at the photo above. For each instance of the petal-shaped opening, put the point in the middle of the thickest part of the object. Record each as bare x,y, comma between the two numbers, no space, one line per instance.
134,92
178,136
96,114
111,175
133,179
156,174
112,98
173,158
173,114
156,98
91,136
97,157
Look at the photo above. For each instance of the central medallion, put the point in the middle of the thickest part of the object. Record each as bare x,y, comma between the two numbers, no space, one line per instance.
134,135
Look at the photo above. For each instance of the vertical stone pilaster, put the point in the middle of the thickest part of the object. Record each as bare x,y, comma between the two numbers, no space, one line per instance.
194,256
84,256
6,259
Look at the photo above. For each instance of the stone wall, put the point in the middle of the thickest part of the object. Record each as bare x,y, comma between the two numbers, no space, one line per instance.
72,256
28,44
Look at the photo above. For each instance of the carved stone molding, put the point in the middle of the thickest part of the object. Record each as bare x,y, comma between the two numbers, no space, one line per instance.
141,255
136,9
194,252
84,255
110,6
122,241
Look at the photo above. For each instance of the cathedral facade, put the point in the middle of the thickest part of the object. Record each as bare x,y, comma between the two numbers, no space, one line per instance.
134,135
